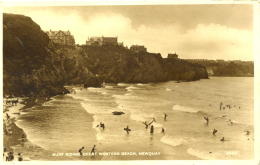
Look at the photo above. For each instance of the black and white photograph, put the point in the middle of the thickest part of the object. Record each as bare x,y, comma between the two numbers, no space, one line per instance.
130,81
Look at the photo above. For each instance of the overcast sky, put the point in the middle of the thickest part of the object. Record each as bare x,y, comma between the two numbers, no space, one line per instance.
192,31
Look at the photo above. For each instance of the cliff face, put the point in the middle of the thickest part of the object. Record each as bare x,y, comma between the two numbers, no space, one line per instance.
114,64
233,69
28,63
33,66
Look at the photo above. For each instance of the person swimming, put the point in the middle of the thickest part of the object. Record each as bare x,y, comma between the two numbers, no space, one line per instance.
215,131
127,129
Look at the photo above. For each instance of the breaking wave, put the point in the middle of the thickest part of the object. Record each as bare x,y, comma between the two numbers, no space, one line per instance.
185,109
202,155
169,140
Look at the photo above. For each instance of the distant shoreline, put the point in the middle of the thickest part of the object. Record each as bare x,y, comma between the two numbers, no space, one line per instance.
231,75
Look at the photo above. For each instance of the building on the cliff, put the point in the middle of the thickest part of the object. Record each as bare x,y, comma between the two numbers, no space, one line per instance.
210,71
174,56
138,48
238,62
61,37
102,41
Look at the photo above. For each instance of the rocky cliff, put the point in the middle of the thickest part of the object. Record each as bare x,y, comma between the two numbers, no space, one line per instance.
235,70
33,66
114,64
29,65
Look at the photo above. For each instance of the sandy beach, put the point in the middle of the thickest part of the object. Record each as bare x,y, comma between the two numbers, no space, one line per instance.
13,142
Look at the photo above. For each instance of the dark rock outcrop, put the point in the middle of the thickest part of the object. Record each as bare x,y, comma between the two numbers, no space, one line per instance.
92,82
30,64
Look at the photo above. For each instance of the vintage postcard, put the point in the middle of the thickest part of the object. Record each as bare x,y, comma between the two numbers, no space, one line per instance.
130,82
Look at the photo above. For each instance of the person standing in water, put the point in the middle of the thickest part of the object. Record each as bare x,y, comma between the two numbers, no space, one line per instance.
214,131
151,130
162,130
165,115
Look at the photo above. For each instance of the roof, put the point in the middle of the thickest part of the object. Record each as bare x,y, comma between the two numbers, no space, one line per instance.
137,46
110,37
96,38
54,33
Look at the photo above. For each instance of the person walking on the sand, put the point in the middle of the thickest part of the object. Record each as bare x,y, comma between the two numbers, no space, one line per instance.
93,150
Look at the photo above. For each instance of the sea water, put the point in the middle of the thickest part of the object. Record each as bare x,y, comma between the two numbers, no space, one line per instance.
69,122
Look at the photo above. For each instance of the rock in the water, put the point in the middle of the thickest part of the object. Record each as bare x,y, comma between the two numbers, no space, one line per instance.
118,113
92,82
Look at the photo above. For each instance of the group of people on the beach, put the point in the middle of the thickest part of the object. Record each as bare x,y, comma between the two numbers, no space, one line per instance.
7,125
11,102
7,121
9,156
215,131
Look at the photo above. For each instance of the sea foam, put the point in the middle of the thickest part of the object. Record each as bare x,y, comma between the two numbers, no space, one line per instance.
202,155
185,109
168,89
169,140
